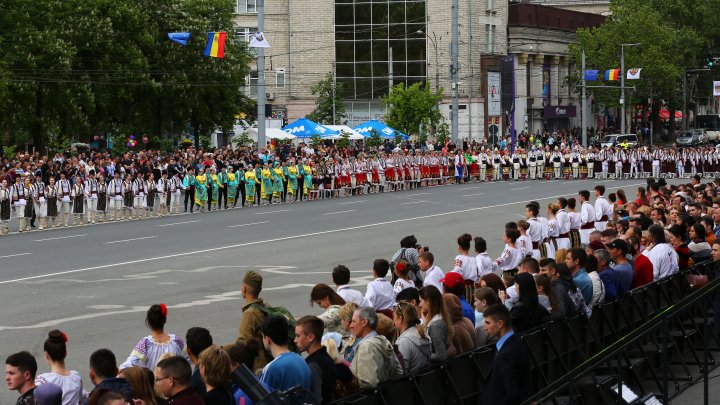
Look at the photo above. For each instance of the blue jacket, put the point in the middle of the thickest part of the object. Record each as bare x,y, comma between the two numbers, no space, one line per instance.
583,282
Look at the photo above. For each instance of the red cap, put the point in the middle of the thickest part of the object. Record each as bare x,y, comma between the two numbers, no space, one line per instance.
452,280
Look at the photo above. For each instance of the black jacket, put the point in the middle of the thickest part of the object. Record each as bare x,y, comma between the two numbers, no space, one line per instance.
509,379
119,385
323,371
526,316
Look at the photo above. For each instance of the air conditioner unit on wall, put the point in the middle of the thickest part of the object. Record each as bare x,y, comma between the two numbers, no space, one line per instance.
270,96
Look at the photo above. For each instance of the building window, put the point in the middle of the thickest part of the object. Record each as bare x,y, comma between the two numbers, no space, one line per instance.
280,77
490,38
252,83
489,5
244,33
246,6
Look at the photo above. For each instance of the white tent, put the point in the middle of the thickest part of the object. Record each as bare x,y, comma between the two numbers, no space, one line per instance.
354,135
270,133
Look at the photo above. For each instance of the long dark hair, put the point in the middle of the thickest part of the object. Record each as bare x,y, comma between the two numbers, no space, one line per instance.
321,291
528,288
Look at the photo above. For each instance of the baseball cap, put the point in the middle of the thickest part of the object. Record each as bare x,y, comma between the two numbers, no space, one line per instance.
619,244
48,394
452,280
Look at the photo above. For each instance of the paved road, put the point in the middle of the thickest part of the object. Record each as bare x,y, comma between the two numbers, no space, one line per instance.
96,282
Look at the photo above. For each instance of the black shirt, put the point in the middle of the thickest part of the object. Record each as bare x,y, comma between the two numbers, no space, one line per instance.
322,367
219,396
27,398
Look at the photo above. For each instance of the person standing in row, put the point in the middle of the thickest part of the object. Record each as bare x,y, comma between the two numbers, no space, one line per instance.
92,194
39,195
223,180
189,187
175,192
163,186
78,197
101,208
115,192
29,209
52,203
231,189
19,200
64,188
128,197
140,193
5,206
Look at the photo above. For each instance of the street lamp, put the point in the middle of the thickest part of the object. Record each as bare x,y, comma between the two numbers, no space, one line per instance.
622,84
434,40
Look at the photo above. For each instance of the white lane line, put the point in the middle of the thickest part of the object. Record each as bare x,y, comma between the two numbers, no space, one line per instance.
180,223
413,202
61,237
19,254
352,202
413,195
472,195
468,188
519,188
270,212
130,240
281,239
254,223
338,212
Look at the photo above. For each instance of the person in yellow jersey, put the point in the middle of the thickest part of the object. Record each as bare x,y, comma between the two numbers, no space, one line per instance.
216,186
201,194
250,180
232,187
266,188
307,178
278,179
292,181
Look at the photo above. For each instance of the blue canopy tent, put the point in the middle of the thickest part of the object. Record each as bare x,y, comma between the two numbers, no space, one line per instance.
304,128
381,128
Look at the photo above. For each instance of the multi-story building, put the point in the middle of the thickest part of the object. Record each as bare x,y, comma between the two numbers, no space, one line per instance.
371,44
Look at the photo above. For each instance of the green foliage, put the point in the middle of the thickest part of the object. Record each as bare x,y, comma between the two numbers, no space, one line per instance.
85,67
344,140
205,142
242,140
374,140
443,132
323,112
412,106
315,141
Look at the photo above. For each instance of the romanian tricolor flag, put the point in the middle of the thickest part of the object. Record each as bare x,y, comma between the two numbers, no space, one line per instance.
612,74
215,47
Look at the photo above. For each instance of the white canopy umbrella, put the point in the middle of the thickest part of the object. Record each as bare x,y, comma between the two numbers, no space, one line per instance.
354,135
270,133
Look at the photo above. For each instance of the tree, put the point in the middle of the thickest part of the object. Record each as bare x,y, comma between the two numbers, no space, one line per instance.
323,112
409,107
374,140
343,141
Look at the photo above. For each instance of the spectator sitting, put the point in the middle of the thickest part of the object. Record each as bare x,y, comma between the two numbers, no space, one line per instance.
103,372
379,292
142,383
326,298
172,381
436,322
527,313
618,249
484,298
243,353
411,296
492,281
663,257
591,268
463,337
287,369
341,278
375,361
527,265
575,262
509,377
215,371
346,383
576,298
198,339
699,247
610,278
308,334
401,272
48,394
453,283
413,344
431,274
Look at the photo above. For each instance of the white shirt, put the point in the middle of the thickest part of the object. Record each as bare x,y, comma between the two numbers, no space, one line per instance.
524,243
575,220
72,388
602,207
433,275
564,220
401,284
509,258
467,267
484,264
350,295
380,294
587,213
535,231
664,260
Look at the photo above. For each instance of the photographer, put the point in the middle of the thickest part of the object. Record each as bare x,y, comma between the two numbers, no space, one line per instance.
409,251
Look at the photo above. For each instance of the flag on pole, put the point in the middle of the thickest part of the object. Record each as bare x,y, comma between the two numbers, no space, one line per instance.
215,47
259,41
633,74
181,38
591,75
612,74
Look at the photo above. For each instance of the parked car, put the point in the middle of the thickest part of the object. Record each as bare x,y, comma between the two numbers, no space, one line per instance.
692,137
617,139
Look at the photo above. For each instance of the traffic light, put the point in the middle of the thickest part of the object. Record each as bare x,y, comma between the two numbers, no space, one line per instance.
710,60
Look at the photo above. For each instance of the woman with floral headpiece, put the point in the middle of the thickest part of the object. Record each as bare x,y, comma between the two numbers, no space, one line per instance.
151,348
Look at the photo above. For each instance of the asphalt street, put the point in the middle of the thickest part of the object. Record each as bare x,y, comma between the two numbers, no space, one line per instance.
96,282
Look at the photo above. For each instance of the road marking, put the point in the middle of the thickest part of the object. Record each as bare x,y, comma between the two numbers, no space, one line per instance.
338,212
61,237
472,195
281,239
413,202
519,188
352,202
19,254
468,188
180,223
270,212
416,194
254,223
130,240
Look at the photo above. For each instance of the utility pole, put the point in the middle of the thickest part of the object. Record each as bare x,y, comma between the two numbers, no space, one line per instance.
583,106
333,93
622,85
261,78
454,68
470,66
390,70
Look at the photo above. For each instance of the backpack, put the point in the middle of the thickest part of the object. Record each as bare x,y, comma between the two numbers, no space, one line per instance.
414,270
280,311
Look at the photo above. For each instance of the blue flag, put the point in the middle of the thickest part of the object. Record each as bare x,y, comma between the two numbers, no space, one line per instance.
181,38
591,75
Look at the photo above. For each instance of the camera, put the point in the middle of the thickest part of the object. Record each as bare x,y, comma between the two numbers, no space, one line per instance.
426,248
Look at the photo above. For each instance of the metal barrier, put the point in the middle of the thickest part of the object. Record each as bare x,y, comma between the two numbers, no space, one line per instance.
647,342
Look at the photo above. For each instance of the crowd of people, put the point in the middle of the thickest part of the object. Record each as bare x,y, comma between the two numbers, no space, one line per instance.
558,262
96,187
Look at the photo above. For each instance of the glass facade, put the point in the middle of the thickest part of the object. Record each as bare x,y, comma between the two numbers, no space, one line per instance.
366,31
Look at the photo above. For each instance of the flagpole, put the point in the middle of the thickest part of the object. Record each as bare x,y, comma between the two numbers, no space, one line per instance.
583,111
622,87
261,78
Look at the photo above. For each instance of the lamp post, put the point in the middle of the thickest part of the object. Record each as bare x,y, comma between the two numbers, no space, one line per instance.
685,73
622,84
434,40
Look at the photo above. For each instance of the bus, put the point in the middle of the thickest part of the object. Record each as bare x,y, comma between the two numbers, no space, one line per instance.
711,125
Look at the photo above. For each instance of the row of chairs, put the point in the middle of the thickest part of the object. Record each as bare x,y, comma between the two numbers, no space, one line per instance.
559,346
